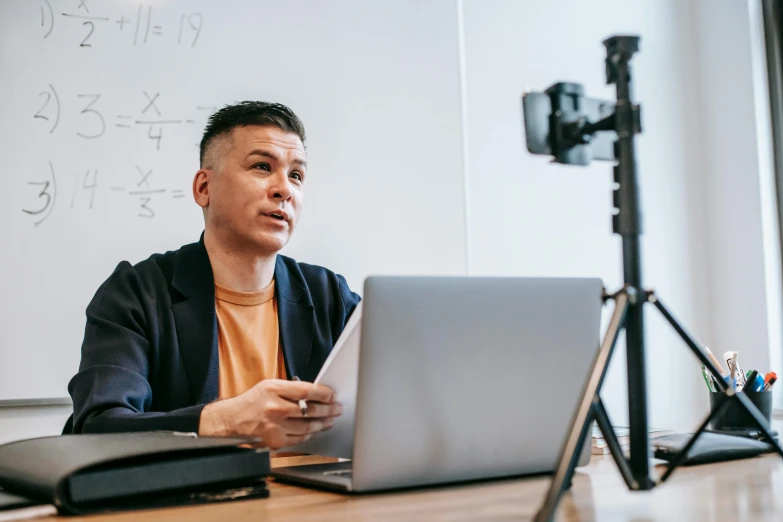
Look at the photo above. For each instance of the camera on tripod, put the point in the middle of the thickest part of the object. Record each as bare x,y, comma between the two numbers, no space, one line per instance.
557,123
575,130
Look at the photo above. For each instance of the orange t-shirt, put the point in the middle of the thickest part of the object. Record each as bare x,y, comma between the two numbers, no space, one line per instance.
248,339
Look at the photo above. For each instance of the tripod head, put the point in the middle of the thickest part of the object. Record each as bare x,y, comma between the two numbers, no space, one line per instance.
563,123
619,50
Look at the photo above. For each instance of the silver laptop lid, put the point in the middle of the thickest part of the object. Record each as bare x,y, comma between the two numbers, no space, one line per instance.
464,378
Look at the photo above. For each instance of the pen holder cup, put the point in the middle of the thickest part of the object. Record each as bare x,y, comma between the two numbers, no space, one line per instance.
735,416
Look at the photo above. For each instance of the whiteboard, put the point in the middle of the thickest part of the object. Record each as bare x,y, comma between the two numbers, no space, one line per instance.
103,104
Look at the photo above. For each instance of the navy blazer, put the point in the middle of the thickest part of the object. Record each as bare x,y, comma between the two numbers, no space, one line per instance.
150,352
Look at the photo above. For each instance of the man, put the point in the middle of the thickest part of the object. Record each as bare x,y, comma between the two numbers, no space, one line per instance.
208,338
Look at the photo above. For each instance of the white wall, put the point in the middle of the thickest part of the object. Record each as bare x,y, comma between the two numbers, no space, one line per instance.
528,217
743,251
26,422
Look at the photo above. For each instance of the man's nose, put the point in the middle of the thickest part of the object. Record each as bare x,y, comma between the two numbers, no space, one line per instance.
281,187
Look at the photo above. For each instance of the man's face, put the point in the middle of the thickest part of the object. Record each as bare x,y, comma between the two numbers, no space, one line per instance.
256,194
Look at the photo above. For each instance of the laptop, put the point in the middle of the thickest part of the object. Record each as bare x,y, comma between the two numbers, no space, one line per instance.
464,378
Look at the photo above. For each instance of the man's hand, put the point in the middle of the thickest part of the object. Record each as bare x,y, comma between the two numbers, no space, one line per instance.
270,410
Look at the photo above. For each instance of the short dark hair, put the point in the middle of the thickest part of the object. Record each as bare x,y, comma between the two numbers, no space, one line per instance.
249,113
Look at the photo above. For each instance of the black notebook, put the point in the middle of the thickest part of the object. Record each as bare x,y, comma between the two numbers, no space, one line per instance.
709,447
93,473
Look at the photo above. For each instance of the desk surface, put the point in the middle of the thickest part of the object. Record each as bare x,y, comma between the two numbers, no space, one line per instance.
749,490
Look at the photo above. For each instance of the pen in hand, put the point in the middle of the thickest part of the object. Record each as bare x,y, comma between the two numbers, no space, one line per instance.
302,402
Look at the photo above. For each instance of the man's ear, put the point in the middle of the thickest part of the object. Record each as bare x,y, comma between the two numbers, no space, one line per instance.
201,187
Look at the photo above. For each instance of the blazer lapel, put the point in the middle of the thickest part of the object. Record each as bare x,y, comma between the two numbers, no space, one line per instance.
295,318
195,320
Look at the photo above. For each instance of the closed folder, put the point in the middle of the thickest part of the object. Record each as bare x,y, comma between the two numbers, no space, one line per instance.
96,473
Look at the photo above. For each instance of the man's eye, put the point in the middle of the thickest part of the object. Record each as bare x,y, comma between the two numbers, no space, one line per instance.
296,175
262,166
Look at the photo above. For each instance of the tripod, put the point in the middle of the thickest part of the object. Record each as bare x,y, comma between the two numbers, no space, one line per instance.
565,136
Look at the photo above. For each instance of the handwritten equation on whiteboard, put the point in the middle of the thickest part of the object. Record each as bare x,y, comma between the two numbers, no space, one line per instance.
86,186
139,27
148,112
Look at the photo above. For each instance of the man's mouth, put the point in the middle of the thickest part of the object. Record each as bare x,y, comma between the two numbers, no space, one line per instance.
279,215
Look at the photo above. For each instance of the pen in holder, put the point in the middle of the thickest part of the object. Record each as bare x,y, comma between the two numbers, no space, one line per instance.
735,417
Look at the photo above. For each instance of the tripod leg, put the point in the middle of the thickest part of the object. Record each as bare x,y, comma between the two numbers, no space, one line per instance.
696,348
716,413
569,454
760,421
602,419
748,406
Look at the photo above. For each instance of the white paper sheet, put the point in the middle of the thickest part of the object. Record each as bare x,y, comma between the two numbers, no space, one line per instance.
26,513
341,373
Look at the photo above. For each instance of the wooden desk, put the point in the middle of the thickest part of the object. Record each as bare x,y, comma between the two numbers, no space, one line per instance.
743,490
